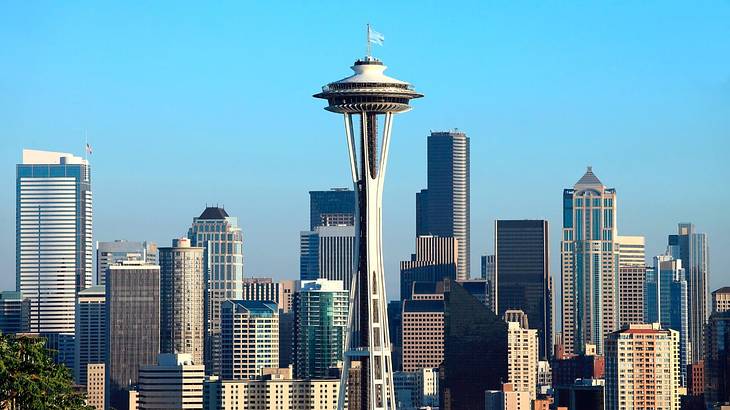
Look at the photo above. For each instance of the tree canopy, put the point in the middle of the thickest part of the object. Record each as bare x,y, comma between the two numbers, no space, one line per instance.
30,379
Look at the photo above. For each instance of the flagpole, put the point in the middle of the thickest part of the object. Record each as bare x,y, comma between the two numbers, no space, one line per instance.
367,41
86,146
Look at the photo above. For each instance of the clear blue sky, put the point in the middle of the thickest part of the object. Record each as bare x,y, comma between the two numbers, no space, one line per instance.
188,104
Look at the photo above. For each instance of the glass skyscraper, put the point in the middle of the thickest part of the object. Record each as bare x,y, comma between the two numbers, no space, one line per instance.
222,240
320,309
333,207
327,253
442,209
588,264
523,275
53,236
691,247
666,303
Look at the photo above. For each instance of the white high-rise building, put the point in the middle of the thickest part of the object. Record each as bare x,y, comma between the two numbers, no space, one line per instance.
53,236
174,383
249,338
522,358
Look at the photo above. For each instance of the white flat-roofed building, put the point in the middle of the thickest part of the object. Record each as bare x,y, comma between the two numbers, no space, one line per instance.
174,383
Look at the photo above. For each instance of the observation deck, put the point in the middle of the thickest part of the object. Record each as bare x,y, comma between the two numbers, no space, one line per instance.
368,90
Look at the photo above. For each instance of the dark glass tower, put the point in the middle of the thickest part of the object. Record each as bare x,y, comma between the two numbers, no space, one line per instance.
333,207
523,275
442,209
475,350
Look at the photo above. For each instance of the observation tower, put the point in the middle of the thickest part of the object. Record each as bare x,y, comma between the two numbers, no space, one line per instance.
367,99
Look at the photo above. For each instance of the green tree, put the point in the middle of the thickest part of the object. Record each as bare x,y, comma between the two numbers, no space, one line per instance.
29,379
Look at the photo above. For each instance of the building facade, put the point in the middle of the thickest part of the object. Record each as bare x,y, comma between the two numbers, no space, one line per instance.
249,338
109,253
422,341
631,279
133,326
522,358
95,385
717,359
522,275
667,304
175,382
53,236
436,258
642,368
692,248
721,300
90,340
14,312
182,290
442,209
327,253
320,309
588,264
222,240
331,208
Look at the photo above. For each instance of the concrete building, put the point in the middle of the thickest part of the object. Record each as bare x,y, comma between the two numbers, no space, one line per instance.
518,316
721,300
90,340
249,338
182,290
436,258
544,377
331,208
522,358
120,250
423,334
320,309
95,385
642,368
416,390
14,312
588,264
522,275
327,253
442,209
173,383
582,394
133,326
507,399
693,250
584,367
271,392
631,279
266,289
222,238
53,236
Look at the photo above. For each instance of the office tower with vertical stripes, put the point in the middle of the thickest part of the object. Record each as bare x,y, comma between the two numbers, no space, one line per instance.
90,341
133,326
692,248
53,236
222,240
522,275
588,264
327,253
442,209
182,289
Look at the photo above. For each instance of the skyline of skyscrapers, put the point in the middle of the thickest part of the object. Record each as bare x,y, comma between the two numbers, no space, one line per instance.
443,207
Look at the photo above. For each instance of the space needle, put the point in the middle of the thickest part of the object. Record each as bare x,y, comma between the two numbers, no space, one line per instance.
367,99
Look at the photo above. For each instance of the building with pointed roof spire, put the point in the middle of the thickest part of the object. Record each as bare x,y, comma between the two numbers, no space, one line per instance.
588,264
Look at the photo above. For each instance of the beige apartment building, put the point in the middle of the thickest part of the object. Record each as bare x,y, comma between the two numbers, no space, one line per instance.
423,334
95,385
522,358
642,368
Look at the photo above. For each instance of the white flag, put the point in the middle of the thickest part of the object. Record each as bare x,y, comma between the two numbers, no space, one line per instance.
375,38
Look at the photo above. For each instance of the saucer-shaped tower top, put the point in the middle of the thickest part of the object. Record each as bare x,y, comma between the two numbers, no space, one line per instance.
368,90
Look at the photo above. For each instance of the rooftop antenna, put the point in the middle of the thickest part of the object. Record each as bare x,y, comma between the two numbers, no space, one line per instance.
368,47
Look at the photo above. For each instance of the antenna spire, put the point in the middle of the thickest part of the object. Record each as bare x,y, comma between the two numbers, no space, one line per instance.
367,42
